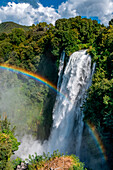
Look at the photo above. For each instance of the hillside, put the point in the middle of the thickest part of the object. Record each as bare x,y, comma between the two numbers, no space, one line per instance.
8,26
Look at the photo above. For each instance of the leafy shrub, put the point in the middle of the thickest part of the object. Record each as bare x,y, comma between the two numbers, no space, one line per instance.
16,162
8,142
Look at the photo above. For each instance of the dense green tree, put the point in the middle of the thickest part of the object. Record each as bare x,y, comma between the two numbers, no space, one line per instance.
62,24
17,36
5,49
3,36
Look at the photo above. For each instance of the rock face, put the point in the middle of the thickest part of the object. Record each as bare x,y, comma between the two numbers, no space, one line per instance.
23,166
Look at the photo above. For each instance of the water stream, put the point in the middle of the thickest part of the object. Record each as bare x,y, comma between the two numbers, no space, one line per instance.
67,128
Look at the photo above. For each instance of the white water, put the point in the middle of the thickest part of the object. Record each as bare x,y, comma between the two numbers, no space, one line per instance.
60,73
66,134
67,116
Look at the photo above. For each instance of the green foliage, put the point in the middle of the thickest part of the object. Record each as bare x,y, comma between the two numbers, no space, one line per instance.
17,36
56,154
3,36
5,149
100,99
6,27
99,105
28,98
5,49
37,162
16,162
22,47
77,165
87,28
8,143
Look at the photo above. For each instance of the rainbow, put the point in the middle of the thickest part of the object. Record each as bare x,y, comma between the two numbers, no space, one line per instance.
53,87
29,74
97,139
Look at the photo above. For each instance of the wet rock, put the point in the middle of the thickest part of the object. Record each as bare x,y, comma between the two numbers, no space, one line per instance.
23,166
18,167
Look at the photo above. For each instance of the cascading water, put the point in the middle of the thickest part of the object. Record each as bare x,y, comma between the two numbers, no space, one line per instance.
68,133
67,128
60,73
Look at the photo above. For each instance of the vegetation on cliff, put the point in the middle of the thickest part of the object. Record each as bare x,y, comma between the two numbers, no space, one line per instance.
99,104
8,143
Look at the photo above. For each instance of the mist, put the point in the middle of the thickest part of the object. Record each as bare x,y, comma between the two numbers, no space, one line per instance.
22,101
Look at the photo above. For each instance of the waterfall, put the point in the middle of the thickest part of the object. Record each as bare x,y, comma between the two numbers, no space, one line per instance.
66,134
60,73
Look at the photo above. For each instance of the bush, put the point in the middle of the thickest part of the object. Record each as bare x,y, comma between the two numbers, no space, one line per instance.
8,142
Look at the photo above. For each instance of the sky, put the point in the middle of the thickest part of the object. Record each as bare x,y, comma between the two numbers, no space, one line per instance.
28,12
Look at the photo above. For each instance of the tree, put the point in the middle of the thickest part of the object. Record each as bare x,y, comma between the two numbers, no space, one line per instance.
8,142
3,36
111,22
17,36
5,49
